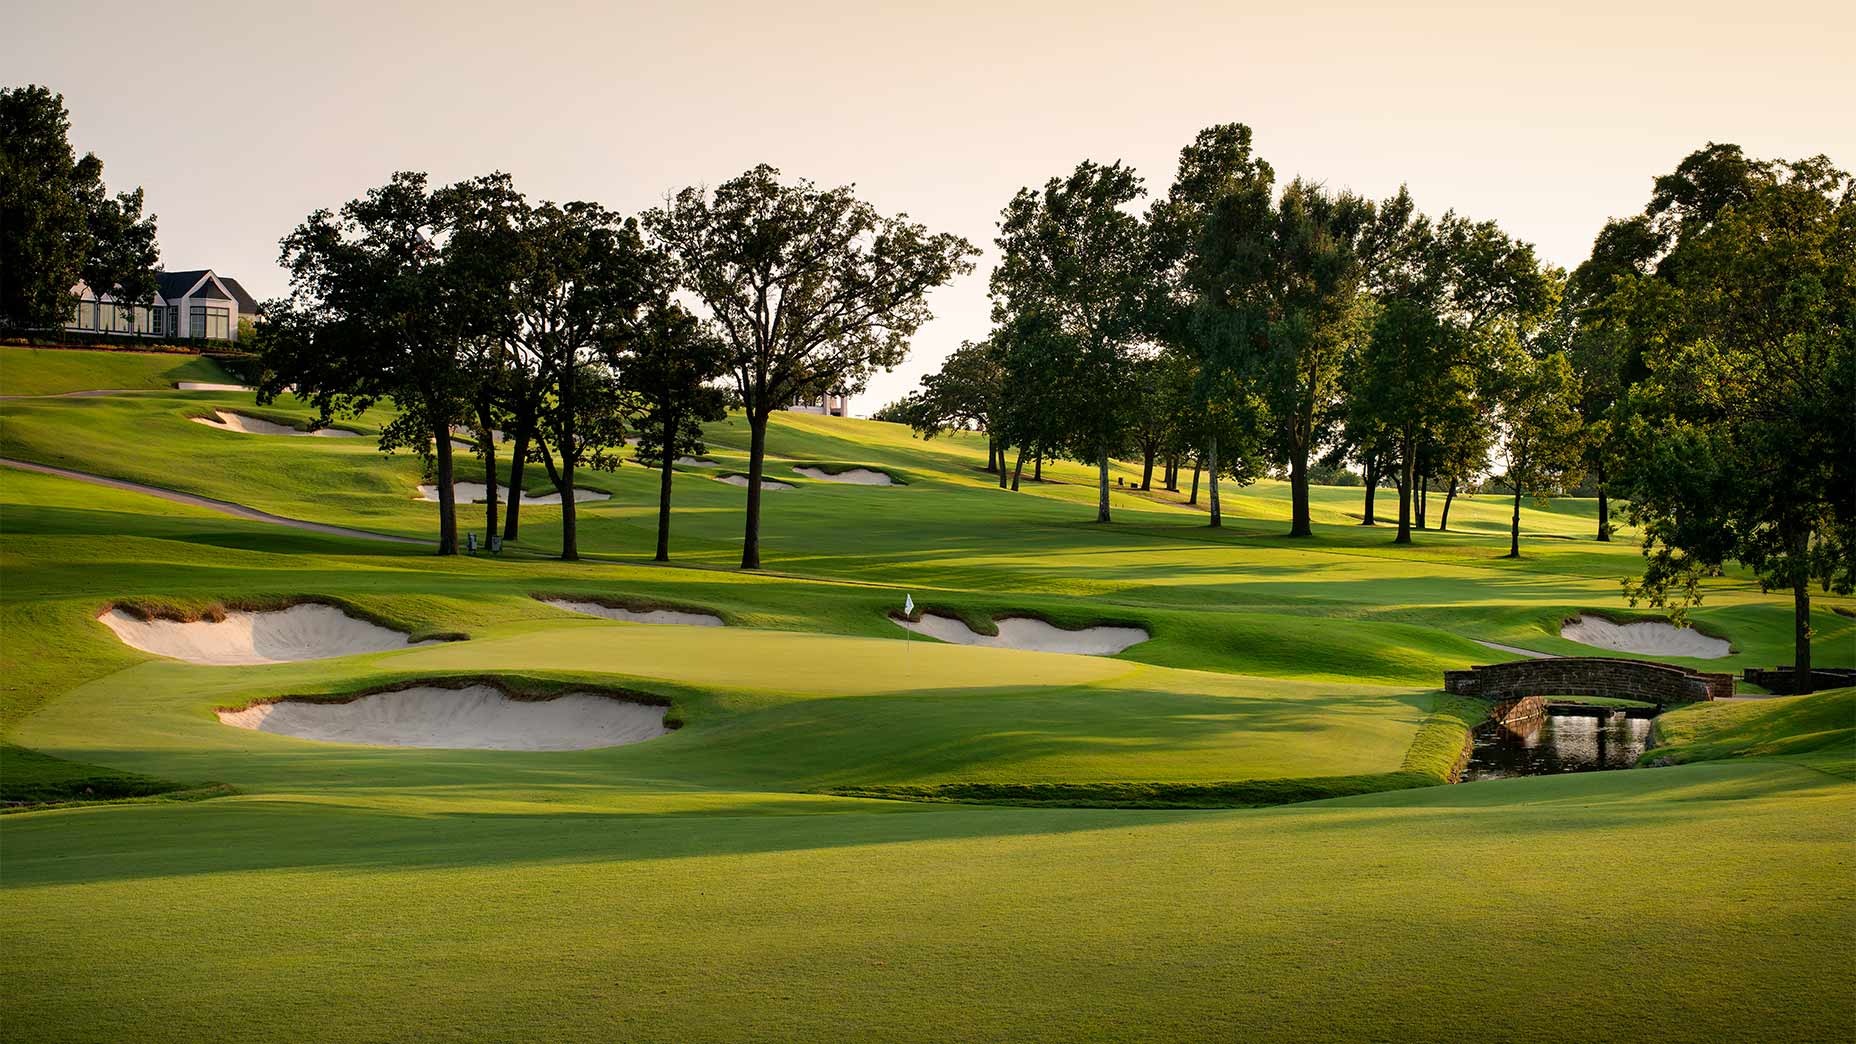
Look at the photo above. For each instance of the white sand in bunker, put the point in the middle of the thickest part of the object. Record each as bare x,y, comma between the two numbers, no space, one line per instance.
301,632
477,717
646,616
854,476
477,492
766,483
1647,637
210,386
244,425
1019,632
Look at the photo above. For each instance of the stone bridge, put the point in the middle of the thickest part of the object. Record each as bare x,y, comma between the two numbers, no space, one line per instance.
1658,683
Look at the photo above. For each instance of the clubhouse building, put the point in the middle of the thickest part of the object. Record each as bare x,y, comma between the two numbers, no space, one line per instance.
193,306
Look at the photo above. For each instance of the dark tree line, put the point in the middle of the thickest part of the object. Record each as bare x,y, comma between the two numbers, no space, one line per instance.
59,225
474,310
1697,366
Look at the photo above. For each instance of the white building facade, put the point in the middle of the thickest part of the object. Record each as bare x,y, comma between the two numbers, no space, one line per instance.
189,306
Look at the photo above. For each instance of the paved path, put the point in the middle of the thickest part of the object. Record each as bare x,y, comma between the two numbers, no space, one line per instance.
221,506
86,394
1516,650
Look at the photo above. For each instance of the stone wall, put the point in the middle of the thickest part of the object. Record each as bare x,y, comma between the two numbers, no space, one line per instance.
1657,683
1779,679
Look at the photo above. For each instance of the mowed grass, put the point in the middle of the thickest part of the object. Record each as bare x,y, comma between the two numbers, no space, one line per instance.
56,371
717,884
1427,915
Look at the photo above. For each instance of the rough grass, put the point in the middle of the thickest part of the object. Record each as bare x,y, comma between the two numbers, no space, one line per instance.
1821,725
28,778
55,371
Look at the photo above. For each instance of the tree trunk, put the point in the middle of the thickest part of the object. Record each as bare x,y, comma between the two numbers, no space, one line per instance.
447,496
1408,477
1147,470
1005,477
1018,468
1372,487
1298,494
757,459
1443,524
570,535
992,454
570,449
518,457
1211,467
1801,614
489,473
1604,509
668,422
1037,465
1423,497
1172,473
1514,526
1194,499
1102,484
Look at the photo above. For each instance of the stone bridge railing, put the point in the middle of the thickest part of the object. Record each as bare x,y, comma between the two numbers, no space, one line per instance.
1658,683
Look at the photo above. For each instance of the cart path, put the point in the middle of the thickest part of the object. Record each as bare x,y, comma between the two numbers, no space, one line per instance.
221,506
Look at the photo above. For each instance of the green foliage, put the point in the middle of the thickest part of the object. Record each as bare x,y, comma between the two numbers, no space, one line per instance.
1073,276
1740,440
57,222
811,290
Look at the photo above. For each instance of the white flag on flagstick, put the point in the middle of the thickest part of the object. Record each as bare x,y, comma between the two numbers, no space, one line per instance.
908,605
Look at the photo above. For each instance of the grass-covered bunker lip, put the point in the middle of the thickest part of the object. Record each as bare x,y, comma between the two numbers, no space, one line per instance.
1024,629
633,608
277,629
464,712
849,474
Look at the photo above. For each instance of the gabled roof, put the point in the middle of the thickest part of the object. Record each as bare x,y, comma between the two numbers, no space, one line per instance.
247,304
174,285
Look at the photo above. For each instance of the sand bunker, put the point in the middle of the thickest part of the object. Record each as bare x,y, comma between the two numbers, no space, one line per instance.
854,476
766,483
648,616
474,718
209,386
1647,638
301,632
1018,632
255,426
477,492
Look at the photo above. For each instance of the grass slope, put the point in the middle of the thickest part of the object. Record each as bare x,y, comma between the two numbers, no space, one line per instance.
721,884
55,371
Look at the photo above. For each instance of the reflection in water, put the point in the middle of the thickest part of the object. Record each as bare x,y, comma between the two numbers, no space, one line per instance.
1563,741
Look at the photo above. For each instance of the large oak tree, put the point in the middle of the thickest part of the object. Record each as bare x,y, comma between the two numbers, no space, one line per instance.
810,290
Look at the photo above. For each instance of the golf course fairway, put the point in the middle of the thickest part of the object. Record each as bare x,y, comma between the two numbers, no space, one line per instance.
1239,829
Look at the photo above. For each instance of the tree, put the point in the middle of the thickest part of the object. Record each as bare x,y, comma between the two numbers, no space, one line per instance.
1740,438
668,364
380,307
1539,411
808,288
1073,257
1034,412
1288,274
1219,183
966,393
58,224
1605,355
1451,293
582,281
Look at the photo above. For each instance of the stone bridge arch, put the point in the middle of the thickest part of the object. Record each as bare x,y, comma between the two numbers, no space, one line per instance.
1659,683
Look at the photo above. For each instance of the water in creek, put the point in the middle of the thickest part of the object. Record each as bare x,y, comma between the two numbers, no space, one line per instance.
1568,739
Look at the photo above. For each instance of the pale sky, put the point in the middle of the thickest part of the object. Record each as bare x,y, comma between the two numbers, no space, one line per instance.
240,118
